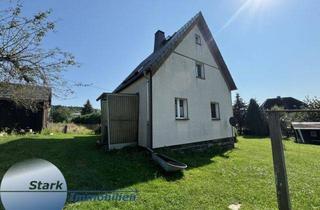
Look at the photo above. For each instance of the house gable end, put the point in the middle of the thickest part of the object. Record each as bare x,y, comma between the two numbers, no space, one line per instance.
191,50
157,58
208,52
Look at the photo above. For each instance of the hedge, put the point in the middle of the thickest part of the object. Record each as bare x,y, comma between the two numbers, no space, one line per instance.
93,118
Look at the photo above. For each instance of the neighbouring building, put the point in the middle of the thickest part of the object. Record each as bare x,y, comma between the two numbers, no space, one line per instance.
307,132
178,95
17,117
283,102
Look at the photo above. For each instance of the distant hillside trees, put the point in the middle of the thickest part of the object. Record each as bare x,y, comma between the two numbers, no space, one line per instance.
239,112
60,114
87,108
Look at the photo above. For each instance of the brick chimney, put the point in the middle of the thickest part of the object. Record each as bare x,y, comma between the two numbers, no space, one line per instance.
159,39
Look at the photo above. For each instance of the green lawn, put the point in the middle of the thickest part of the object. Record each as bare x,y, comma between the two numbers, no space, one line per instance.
213,180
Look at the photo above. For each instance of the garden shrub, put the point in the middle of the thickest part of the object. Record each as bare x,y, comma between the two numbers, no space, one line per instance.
93,118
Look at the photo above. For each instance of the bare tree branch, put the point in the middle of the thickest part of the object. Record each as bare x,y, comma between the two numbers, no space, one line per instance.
23,60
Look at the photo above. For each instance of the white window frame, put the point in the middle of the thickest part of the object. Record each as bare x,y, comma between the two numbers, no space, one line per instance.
197,38
217,109
177,102
202,76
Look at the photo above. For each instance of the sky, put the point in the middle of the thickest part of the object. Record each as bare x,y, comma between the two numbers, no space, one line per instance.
271,47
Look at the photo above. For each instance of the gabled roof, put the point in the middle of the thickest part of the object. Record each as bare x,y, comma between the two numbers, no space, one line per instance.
285,102
155,60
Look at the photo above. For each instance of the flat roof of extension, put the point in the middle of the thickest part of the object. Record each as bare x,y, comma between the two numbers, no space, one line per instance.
306,125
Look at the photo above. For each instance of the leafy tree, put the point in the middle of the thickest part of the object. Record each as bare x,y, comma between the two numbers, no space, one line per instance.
22,58
255,120
239,112
312,103
60,114
87,108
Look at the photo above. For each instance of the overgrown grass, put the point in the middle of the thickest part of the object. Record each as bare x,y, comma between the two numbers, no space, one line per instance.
213,180
76,129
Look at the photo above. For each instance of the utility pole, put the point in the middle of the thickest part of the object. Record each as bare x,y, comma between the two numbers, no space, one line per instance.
279,162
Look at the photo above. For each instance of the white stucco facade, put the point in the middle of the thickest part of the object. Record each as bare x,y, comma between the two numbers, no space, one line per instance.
176,78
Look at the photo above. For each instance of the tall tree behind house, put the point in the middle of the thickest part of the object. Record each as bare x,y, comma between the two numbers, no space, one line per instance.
239,112
256,122
87,108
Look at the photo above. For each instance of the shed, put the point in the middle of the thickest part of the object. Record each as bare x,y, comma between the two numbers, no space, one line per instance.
119,120
15,116
307,132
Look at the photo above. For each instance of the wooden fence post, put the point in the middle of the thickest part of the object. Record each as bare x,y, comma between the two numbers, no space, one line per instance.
279,162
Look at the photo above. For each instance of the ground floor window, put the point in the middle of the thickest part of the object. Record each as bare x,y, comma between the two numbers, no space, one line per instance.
215,111
181,107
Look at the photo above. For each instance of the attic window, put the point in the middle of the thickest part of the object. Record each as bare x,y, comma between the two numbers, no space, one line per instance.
198,39
200,70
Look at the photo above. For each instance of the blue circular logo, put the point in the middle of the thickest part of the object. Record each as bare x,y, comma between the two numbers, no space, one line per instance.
33,184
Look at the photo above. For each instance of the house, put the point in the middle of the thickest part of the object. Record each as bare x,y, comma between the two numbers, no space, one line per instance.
307,132
179,95
283,102
15,116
